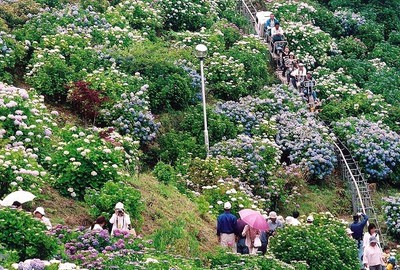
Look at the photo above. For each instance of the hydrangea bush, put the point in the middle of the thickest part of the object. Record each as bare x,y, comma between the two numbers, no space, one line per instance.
374,145
132,116
11,52
84,160
392,215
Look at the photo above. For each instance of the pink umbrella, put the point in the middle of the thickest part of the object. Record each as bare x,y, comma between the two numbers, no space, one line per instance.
254,219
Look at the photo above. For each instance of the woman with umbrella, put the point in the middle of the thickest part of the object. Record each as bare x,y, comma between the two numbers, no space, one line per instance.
255,224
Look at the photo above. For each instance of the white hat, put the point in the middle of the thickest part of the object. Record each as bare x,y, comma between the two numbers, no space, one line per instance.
289,220
272,214
227,205
301,65
349,231
119,205
310,219
39,210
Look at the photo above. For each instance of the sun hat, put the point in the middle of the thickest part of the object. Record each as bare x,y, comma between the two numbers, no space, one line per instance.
289,220
310,219
349,231
227,205
119,205
373,239
301,65
39,210
273,214
291,53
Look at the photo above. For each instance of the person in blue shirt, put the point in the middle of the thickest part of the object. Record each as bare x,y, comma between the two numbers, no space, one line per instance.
358,230
226,227
270,23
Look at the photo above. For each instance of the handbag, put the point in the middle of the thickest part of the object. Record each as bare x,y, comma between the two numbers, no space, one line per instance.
257,241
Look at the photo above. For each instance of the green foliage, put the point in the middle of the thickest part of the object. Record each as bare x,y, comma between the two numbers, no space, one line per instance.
387,83
170,86
388,53
173,146
7,256
219,126
84,160
327,21
394,38
225,260
176,237
20,232
98,5
370,33
15,13
323,245
165,173
352,47
103,202
186,14
12,52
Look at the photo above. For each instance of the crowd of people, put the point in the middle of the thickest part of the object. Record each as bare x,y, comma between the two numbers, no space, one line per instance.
293,70
119,220
240,237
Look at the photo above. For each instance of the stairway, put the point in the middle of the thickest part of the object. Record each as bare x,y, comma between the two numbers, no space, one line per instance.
361,197
350,172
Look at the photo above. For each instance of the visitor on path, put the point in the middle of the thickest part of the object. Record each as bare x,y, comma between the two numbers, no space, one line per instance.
295,221
16,205
99,224
226,225
358,228
289,66
373,255
289,220
371,232
349,232
386,255
391,265
253,241
270,23
40,215
273,222
264,236
241,247
120,220
298,75
310,220
277,33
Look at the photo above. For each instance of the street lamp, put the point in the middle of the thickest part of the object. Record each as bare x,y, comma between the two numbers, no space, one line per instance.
201,53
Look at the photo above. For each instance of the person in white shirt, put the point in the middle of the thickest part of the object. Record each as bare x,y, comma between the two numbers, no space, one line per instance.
371,232
100,224
40,215
277,33
120,220
372,257
298,75
295,221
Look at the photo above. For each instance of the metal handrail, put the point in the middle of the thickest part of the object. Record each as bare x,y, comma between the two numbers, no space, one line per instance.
248,11
352,177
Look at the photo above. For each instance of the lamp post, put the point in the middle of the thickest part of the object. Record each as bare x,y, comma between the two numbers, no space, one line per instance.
201,53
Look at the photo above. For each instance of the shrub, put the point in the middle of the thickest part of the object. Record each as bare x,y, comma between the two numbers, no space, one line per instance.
370,33
226,260
219,126
392,215
394,38
131,116
186,15
11,53
84,160
165,173
352,47
103,202
390,54
326,239
173,146
20,232
256,158
85,101
373,145
16,13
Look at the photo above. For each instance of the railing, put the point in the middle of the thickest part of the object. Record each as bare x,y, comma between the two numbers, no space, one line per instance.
248,11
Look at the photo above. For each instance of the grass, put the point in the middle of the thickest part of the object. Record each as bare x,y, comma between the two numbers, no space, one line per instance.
174,220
